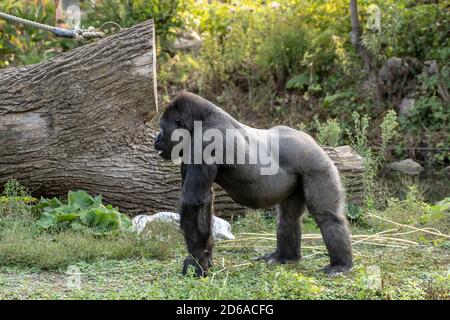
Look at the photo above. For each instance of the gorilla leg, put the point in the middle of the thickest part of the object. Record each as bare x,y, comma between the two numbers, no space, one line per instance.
288,230
325,200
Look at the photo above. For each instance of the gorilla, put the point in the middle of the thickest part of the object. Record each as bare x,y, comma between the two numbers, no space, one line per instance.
305,177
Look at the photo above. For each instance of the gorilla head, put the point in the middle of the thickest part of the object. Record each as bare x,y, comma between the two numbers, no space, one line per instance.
180,113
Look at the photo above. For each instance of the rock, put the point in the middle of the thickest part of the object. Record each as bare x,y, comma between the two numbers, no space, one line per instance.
397,78
405,107
221,229
431,67
392,69
188,41
407,166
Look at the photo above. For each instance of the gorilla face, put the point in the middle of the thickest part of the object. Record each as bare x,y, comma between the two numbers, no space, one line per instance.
180,113
171,120
163,145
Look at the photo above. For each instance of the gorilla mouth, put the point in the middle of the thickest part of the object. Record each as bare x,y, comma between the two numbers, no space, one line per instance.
164,154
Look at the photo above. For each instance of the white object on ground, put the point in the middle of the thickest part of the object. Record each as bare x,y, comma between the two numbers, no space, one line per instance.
221,228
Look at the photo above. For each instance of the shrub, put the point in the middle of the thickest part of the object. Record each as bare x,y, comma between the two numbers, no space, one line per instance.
412,210
329,133
372,158
80,211
167,15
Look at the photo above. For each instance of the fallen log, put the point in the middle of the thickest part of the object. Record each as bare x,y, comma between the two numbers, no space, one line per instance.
82,120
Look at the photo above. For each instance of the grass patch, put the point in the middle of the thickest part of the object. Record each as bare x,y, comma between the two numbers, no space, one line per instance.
23,243
19,245
255,221
413,273
123,265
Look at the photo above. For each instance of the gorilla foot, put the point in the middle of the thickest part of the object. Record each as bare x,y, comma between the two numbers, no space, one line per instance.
277,258
335,270
190,262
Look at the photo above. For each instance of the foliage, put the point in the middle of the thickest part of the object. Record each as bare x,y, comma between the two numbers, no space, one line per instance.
410,30
270,62
15,198
388,132
81,210
354,211
359,141
266,42
372,157
21,45
22,243
329,133
412,210
429,119
109,271
167,15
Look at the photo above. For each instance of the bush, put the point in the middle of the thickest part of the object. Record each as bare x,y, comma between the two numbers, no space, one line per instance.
412,210
167,15
22,45
329,133
81,211
372,157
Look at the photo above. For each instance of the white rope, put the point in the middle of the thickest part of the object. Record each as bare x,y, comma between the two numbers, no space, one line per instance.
78,34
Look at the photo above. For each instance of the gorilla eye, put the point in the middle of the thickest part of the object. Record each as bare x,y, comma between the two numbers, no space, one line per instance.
179,123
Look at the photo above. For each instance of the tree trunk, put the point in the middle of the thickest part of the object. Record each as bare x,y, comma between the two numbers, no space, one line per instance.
82,121
364,53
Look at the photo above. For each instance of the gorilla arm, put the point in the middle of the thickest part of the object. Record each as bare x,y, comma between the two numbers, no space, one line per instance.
196,204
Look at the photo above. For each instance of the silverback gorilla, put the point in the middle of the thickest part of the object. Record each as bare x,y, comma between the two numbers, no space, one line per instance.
305,177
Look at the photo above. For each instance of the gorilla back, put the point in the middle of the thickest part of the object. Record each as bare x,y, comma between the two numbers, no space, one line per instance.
304,177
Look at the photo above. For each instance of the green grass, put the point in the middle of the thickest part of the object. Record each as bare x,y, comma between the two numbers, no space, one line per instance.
37,264
122,269
23,244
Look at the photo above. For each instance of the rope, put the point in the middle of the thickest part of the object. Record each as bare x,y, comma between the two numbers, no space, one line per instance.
77,34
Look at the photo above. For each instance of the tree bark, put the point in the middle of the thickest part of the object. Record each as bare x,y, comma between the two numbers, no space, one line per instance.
79,121
82,121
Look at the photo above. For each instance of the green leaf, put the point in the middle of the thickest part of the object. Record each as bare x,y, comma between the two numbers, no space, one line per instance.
47,221
48,204
97,202
80,197
88,217
82,211
298,82
67,217
353,211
